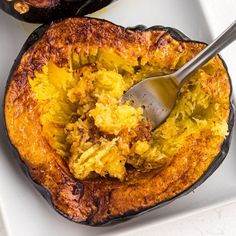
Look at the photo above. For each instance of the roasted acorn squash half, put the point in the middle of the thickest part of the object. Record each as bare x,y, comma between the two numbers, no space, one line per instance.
97,161
43,11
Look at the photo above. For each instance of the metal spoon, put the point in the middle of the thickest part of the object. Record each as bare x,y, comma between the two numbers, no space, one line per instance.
157,95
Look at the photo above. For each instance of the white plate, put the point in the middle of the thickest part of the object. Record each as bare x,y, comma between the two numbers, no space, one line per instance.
26,213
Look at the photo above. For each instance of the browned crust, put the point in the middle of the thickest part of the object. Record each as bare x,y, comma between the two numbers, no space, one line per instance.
99,200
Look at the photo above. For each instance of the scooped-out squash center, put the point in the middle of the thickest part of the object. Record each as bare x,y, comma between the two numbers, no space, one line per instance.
83,121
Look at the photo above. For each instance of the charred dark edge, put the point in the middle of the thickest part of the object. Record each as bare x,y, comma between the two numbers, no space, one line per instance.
32,39
177,35
64,9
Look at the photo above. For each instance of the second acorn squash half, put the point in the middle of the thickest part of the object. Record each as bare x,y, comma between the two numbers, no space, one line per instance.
43,11
97,161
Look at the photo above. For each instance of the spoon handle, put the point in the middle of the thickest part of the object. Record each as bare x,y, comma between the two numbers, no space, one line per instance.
227,37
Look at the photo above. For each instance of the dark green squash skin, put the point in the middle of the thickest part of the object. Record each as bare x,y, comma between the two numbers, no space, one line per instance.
33,38
64,8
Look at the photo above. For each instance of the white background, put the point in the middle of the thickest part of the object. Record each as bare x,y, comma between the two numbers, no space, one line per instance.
24,211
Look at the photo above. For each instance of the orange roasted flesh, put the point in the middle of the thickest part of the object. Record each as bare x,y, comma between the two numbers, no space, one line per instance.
98,159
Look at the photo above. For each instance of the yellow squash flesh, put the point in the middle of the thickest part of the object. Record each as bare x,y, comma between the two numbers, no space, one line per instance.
97,158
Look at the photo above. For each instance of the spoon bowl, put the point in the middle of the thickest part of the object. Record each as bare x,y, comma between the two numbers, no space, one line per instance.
157,95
